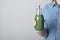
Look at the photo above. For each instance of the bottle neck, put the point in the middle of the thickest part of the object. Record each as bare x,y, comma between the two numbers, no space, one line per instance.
38,12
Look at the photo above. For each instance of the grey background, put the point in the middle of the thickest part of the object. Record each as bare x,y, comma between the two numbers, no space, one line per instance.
16,19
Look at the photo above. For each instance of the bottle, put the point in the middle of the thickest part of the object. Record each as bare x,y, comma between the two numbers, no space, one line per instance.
39,20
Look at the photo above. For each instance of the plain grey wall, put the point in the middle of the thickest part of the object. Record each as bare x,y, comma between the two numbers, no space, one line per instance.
16,19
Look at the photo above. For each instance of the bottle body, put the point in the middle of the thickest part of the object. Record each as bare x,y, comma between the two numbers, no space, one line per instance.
39,22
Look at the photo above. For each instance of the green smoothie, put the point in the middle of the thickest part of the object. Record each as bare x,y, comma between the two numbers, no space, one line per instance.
40,20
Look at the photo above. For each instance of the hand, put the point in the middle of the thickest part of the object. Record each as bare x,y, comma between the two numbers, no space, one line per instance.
42,32
34,23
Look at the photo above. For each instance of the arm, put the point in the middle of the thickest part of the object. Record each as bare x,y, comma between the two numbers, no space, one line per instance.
42,32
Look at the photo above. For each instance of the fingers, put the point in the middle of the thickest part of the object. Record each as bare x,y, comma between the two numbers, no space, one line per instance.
42,32
34,23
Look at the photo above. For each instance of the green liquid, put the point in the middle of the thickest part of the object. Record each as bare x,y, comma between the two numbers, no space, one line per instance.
40,22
